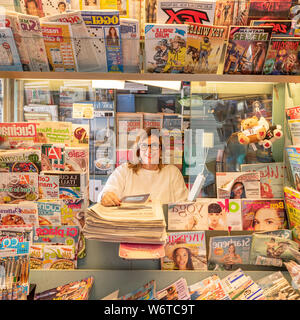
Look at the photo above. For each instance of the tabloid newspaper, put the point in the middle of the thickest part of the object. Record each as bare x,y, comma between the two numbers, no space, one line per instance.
146,292
185,251
292,203
204,48
141,251
176,291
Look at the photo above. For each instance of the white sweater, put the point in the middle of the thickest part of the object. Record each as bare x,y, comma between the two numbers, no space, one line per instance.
166,185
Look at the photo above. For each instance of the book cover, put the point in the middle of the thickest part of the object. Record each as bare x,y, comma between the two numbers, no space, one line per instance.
227,251
130,34
48,186
224,12
185,251
178,290
31,31
292,203
271,177
204,48
246,49
53,157
281,28
180,11
264,214
165,48
9,56
141,251
49,212
238,185
282,56
58,40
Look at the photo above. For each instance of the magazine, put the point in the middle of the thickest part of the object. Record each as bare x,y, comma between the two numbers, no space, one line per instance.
274,248
130,34
292,113
53,157
276,287
185,251
263,214
146,292
141,251
112,296
59,257
32,32
9,56
20,160
35,10
227,251
80,135
293,155
122,6
165,48
152,120
181,11
204,48
50,111
18,186
271,177
287,49
224,12
60,48
238,185
246,49
89,5
294,271
77,159
241,11
52,7
25,212
48,186
281,28
69,95
293,126
176,291
283,233
49,212
76,290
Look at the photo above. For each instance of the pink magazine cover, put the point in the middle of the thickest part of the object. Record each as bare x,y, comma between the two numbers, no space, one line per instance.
141,251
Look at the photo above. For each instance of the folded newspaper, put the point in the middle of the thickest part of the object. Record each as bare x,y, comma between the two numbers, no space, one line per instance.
132,223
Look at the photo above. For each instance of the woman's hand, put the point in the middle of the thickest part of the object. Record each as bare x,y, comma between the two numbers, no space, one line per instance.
110,199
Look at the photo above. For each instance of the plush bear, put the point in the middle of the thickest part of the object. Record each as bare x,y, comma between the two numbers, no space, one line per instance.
252,130
273,133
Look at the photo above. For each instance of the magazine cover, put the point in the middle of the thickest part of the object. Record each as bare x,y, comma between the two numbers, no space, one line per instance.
241,11
123,6
224,12
48,186
292,113
141,251
263,214
294,271
294,130
34,8
227,251
146,292
89,4
165,48
276,287
80,135
69,95
32,32
185,251
246,49
16,187
50,110
281,28
238,185
293,154
271,250
282,56
152,120
271,177
176,291
52,7
60,48
181,11
130,34
77,159
59,257
76,290
20,160
25,212
84,50
53,157
292,203
9,56
204,47
73,212
49,212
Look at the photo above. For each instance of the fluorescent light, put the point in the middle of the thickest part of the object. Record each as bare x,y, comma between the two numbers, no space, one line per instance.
108,84
173,85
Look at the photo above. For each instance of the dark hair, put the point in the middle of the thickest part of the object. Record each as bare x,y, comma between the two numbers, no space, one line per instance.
110,33
232,193
214,208
31,1
61,2
189,265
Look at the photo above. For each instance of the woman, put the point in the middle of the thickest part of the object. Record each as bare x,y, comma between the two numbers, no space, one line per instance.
231,257
112,38
267,219
237,191
182,258
147,174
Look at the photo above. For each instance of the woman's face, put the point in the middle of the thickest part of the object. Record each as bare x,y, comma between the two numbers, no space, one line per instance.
150,150
266,219
231,249
238,190
181,258
113,32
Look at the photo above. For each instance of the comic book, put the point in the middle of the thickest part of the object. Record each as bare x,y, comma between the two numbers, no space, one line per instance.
292,203
224,12
271,177
238,185
48,186
228,251
165,48
276,287
53,7
53,157
35,9
84,50
9,56
75,290
41,109
10,20
25,212
281,28
141,251
31,32
263,214
241,11
246,49
282,56
130,34
293,155
20,160
49,212
176,291
59,46
204,48
185,244
146,292
181,11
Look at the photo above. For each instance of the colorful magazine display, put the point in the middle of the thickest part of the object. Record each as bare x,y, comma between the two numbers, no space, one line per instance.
49,212
53,157
185,251
25,212
48,186
176,291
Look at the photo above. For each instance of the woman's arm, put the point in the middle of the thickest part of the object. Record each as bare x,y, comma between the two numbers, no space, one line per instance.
179,189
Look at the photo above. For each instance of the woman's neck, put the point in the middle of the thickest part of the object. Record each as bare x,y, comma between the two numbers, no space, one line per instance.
150,166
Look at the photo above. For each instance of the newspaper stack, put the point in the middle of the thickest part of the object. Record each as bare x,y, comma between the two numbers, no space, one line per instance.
132,223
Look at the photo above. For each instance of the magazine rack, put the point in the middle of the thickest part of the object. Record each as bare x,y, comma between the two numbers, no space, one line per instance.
102,260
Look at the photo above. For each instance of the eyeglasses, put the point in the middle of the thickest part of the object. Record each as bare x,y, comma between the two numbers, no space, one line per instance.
145,146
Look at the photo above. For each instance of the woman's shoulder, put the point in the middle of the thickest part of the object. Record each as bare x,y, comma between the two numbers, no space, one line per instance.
171,168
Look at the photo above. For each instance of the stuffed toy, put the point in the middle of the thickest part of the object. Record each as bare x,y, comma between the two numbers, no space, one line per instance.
273,133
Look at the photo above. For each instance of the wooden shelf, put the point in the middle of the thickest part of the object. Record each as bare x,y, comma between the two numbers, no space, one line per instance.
146,77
